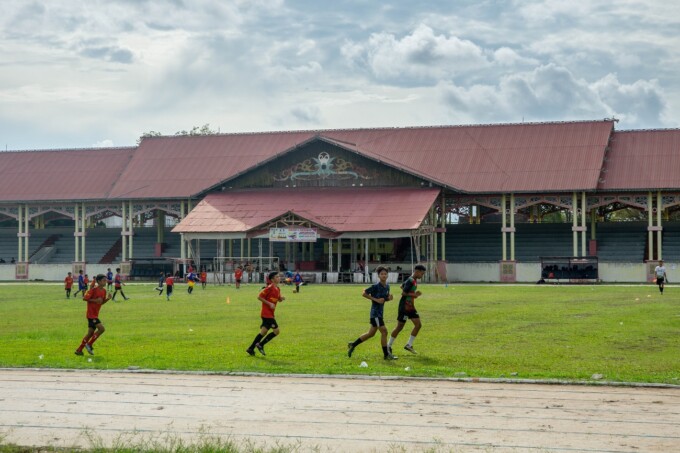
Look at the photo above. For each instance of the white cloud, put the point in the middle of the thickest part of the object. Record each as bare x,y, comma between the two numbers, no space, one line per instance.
422,55
106,143
552,92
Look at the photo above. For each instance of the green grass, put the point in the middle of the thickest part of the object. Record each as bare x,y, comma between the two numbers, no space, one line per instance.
562,332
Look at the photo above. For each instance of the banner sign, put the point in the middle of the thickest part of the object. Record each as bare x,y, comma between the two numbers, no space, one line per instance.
293,234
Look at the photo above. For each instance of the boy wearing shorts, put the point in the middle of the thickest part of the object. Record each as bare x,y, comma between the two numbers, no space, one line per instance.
95,298
270,296
407,309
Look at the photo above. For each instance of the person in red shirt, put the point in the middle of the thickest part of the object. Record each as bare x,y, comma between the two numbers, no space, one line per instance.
94,282
269,297
238,275
204,278
169,285
95,297
118,285
68,283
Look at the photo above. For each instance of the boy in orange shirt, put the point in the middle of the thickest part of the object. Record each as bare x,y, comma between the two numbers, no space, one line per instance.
238,275
95,297
269,297
68,283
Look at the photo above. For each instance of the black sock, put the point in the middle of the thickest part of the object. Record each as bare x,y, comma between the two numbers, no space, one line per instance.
268,338
257,339
121,291
661,289
357,342
385,351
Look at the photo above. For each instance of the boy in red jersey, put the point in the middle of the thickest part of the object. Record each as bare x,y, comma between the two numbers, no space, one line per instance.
204,278
169,285
238,275
118,285
68,283
269,297
95,297
407,309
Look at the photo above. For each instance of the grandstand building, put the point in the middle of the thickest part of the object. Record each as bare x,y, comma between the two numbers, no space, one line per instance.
477,203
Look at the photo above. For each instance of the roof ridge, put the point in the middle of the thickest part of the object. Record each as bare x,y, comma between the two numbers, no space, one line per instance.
386,128
110,148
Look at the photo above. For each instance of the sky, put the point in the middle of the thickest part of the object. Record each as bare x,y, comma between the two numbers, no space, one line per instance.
100,73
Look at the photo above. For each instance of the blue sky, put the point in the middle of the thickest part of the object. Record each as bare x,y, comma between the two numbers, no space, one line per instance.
100,73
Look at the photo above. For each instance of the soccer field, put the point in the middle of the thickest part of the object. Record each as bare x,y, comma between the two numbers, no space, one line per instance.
625,333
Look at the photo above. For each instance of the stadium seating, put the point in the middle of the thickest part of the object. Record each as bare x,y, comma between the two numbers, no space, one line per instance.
621,241
671,241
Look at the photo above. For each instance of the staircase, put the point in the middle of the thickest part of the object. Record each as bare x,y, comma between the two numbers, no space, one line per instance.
45,250
115,250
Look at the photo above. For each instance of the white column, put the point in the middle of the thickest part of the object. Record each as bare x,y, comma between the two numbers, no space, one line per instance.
242,255
583,224
330,254
574,221
124,231
367,278
76,232
27,235
659,209
82,238
20,234
131,230
504,220
512,226
443,225
339,253
182,244
650,237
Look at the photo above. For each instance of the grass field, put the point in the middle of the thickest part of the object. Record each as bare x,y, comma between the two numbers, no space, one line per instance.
625,333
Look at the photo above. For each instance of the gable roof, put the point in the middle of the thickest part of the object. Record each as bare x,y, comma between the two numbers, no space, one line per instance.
643,160
342,209
68,175
487,158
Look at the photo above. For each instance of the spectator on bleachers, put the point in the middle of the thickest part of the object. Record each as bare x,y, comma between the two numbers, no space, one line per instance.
13,260
2,261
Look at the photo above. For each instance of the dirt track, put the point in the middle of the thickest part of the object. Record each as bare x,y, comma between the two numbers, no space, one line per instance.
49,407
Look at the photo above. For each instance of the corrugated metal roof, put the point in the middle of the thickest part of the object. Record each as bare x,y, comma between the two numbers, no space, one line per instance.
487,158
492,158
647,159
77,174
174,167
339,210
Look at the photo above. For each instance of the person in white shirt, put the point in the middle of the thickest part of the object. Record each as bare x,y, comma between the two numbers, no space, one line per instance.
661,278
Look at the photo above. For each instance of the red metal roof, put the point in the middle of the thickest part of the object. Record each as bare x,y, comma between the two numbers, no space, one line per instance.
492,158
82,174
339,210
643,160
174,167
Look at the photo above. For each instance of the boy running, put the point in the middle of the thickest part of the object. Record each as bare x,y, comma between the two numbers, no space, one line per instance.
169,285
297,279
407,309
68,283
378,295
161,282
118,285
269,297
109,279
82,285
96,297
238,275
661,278
204,278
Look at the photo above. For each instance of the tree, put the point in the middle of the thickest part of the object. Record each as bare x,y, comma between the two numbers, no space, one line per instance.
148,134
203,130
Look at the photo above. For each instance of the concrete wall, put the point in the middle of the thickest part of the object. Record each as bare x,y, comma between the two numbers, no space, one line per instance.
457,272
531,272
51,272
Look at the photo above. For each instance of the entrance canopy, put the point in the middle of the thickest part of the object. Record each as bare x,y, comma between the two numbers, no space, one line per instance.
337,212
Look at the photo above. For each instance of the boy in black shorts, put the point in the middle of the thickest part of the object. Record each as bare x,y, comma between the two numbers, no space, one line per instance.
270,296
407,309
378,294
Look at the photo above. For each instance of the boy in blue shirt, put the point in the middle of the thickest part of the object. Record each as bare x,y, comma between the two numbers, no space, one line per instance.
378,294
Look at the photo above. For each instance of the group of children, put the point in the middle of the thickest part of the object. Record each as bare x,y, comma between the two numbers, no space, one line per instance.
192,278
379,294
